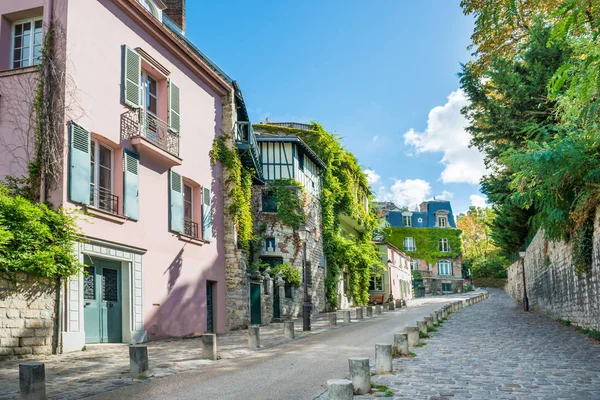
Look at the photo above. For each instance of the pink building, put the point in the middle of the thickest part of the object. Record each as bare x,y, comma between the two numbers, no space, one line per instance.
138,108
396,280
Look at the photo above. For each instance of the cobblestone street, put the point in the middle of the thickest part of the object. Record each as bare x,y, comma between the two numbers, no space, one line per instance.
493,350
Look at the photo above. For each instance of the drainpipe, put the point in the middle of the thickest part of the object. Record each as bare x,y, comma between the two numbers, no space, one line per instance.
59,325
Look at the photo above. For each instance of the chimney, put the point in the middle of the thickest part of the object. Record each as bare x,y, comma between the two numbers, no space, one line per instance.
423,206
176,11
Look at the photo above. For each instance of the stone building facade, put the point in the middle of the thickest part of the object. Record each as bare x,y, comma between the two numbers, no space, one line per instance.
553,287
28,310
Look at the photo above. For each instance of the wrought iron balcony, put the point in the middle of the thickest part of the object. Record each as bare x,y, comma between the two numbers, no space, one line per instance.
157,132
104,200
190,228
245,140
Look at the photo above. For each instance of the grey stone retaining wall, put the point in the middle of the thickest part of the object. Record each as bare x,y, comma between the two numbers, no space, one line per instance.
28,308
552,285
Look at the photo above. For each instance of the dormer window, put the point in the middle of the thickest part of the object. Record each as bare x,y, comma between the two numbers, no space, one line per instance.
151,8
406,221
442,221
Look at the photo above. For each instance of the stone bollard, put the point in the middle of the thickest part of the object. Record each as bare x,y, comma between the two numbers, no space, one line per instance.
422,325
413,335
32,380
360,374
378,309
340,389
138,361
346,317
386,308
369,311
401,345
253,337
428,322
288,329
399,303
383,358
209,346
391,306
333,318
434,318
359,313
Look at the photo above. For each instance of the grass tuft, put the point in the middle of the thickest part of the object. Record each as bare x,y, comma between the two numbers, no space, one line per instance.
412,354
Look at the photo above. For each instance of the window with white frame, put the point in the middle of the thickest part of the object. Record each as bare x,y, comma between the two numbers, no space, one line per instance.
414,264
444,267
407,221
376,283
101,178
26,42
444,246
190,228
409,244
442,221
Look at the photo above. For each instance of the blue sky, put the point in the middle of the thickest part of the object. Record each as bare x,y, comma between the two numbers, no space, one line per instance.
380,73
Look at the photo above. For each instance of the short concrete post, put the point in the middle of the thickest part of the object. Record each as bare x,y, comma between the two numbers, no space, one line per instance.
444,313
288,329
369,311
434,318
383,358
346,317
428,322
401,345
138,361
439,316
333,318
32,381
253,337
386,308
340,389
413,335
391,306
399,303
378,309
359,313
422,325
360,374
209,346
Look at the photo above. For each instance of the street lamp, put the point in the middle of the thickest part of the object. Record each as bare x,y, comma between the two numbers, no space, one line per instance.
304,233
525,299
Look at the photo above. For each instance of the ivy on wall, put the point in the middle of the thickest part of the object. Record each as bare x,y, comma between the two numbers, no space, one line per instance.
289,197
289,273
239,189
427,242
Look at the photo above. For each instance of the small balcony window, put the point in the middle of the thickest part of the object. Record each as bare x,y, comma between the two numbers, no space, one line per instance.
190,228
101,179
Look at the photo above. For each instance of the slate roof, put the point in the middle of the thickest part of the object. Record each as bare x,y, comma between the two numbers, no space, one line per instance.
422,219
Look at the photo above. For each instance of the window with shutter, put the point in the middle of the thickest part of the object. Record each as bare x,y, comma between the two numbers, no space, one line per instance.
79,164
131,71
131,182
174,115
175,202
206,214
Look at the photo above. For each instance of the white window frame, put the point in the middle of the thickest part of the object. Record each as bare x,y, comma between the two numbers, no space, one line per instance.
96,155
447,267
13,29
191,201
414,265
408,247
444,245
377,280
407,221
445,221
144,93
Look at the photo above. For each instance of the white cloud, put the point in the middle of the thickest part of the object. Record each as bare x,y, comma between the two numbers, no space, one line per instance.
478,201
375,138
372,177
445,133
446,195
409,192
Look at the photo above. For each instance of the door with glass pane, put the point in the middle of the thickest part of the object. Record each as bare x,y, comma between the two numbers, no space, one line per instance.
102,296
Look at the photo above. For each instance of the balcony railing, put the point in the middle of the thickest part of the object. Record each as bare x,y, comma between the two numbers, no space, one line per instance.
190,228
157,132
245,140
104,200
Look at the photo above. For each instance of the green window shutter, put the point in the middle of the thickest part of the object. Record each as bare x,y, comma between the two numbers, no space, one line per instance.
131,183
131,72
175,202
79,164
206,214
174,115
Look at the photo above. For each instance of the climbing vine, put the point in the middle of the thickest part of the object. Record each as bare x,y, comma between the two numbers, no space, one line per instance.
289,273
239,189
427,242
289,197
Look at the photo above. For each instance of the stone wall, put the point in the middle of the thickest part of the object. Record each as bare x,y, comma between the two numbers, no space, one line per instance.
28,309
552,285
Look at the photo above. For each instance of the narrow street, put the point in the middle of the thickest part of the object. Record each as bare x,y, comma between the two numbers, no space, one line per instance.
297,370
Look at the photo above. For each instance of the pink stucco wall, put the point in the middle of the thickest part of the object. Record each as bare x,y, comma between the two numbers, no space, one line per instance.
174,271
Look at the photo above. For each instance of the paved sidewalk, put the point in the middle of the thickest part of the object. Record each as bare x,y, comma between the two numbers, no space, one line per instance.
493,350
105,367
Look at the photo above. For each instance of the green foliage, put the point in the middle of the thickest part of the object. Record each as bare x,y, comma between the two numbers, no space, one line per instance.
427,242
411,354
388,393
288,273
467,287
344,189
290,205
35,239
491,266
423,335
416,274
238,187
421,344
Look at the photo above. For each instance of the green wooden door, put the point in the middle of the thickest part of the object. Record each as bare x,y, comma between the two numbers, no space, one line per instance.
255,312
102,296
